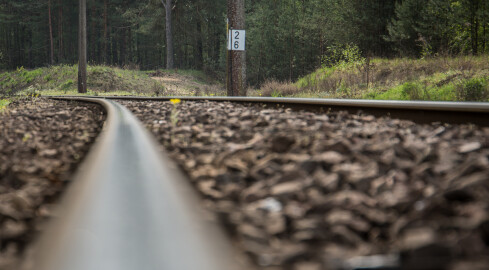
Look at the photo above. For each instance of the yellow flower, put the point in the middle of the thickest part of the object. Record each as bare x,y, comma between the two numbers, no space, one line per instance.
175,101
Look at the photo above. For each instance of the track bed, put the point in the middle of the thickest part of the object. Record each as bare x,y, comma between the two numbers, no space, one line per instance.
41,143
306,191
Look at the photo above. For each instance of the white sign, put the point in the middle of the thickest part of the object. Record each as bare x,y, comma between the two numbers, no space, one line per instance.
237,39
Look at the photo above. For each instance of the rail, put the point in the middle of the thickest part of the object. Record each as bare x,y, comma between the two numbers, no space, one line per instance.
418,111
130,208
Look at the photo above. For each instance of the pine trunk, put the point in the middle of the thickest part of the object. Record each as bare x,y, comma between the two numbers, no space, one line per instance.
82,47
92,32
60,31
51,44
169,34
105,33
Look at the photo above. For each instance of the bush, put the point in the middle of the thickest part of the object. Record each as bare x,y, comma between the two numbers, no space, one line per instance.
67,85
412,91
341,55
273,88
473,90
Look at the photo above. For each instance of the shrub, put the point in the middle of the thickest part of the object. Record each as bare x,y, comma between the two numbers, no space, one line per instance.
273,88
341,55
475,89
66,85
412,91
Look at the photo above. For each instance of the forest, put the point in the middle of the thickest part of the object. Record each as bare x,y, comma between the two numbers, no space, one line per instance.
286,39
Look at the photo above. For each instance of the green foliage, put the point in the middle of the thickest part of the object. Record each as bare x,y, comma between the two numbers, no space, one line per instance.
475,89
67,85
286,39
443,79
64,78
425,28
412,91
3,104
344,91
343,55
311,80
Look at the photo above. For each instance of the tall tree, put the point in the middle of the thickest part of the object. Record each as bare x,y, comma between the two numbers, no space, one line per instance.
82,47
168,5
51,43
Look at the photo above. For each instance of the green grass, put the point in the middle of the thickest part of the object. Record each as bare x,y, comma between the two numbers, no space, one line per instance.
4,103
63,79
197,76
464,78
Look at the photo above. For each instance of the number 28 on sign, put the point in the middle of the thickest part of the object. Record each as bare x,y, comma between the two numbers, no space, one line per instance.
236,40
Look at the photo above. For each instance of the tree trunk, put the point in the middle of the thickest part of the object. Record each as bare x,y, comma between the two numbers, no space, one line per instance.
199,54
237,80
474,26
92,32
484,26
60,31
82,47
169,34
51,44
105,33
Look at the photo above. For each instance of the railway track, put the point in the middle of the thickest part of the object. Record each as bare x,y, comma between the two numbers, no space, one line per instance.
418,111
270,186
129,208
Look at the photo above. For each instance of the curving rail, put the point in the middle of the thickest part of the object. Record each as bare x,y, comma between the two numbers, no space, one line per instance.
418,111
130,208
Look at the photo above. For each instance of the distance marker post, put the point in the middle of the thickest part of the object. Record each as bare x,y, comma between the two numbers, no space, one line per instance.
236,44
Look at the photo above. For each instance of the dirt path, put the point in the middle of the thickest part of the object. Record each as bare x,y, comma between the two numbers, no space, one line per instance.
185,85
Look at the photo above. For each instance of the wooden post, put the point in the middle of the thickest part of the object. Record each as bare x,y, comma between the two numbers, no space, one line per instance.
82,47
236,72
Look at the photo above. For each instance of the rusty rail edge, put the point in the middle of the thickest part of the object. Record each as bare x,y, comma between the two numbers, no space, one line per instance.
130,208
419,111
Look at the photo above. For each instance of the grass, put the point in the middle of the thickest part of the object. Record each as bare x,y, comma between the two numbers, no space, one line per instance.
63,79
105,80
197,76
464,78
3,104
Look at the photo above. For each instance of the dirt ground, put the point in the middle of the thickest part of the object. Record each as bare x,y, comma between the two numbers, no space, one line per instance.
186,85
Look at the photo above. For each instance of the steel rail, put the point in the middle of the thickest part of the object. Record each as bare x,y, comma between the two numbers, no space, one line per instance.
130,208
418,111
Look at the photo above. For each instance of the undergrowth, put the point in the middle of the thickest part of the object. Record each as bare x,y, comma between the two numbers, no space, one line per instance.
63,79
3,104
444,79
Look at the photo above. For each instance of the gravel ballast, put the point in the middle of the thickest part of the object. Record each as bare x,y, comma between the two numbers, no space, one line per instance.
41,143
306,191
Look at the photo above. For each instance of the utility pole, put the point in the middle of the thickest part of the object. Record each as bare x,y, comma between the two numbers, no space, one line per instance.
236,55
82,47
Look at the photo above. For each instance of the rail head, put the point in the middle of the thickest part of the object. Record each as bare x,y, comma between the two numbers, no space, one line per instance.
419,111
325,102
129,207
